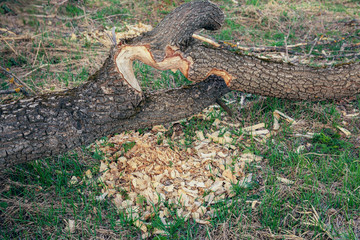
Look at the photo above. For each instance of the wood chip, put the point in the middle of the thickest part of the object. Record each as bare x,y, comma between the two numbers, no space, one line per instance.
276,125
259,132
253,203
352,115
200,135
286,117
284,180
101,197
254,127
159,232
216,123
159,128
204,222
227,174
141,225
73,180
307,135
345,131
234,125
88,174
70,226
250,157
300,149
73,37
150,173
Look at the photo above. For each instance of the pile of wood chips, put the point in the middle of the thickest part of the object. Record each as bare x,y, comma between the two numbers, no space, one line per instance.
139,174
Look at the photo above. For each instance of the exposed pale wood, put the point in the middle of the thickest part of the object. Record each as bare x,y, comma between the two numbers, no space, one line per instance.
207,40
127,54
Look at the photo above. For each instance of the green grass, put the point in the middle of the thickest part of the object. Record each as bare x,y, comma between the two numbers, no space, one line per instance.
36,199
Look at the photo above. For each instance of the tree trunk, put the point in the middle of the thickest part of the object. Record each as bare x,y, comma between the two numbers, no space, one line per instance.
112,100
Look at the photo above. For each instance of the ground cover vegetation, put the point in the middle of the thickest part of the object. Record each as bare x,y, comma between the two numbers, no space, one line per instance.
303,181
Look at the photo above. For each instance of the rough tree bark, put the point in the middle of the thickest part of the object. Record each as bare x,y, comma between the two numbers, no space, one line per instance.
112,100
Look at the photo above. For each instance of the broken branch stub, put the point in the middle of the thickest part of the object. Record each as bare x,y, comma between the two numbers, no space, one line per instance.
162,48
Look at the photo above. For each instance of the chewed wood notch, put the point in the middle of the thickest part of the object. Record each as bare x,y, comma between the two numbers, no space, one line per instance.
221,73
127,54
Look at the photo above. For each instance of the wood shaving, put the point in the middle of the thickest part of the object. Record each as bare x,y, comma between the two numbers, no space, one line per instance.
70,226
147,174
285,180
276,125
345,131
286,117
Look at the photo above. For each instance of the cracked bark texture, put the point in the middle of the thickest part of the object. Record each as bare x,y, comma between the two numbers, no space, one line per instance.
252,75
48,125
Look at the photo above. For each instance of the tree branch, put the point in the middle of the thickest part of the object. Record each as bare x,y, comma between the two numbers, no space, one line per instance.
112,100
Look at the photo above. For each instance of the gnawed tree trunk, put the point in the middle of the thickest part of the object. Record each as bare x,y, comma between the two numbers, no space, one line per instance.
112,100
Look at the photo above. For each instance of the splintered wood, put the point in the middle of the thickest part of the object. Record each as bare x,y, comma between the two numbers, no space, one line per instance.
140,175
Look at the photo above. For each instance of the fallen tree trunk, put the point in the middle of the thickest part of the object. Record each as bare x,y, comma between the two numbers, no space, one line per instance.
112,100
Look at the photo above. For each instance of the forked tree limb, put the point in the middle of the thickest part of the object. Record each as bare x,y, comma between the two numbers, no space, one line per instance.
112,100
52,124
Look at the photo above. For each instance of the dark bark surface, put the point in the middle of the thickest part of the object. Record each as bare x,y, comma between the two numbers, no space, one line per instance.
252,75
48,125
111,101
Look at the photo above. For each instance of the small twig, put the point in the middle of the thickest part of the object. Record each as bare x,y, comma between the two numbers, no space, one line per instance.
17,79
10,47
113,36
116,15
312,47
47,56
286,47
86,19
61,3
17,37
55,16
224,106
339,56
17,90
27,74
37,51
283,49
7,31
204,39
8,91
320,154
